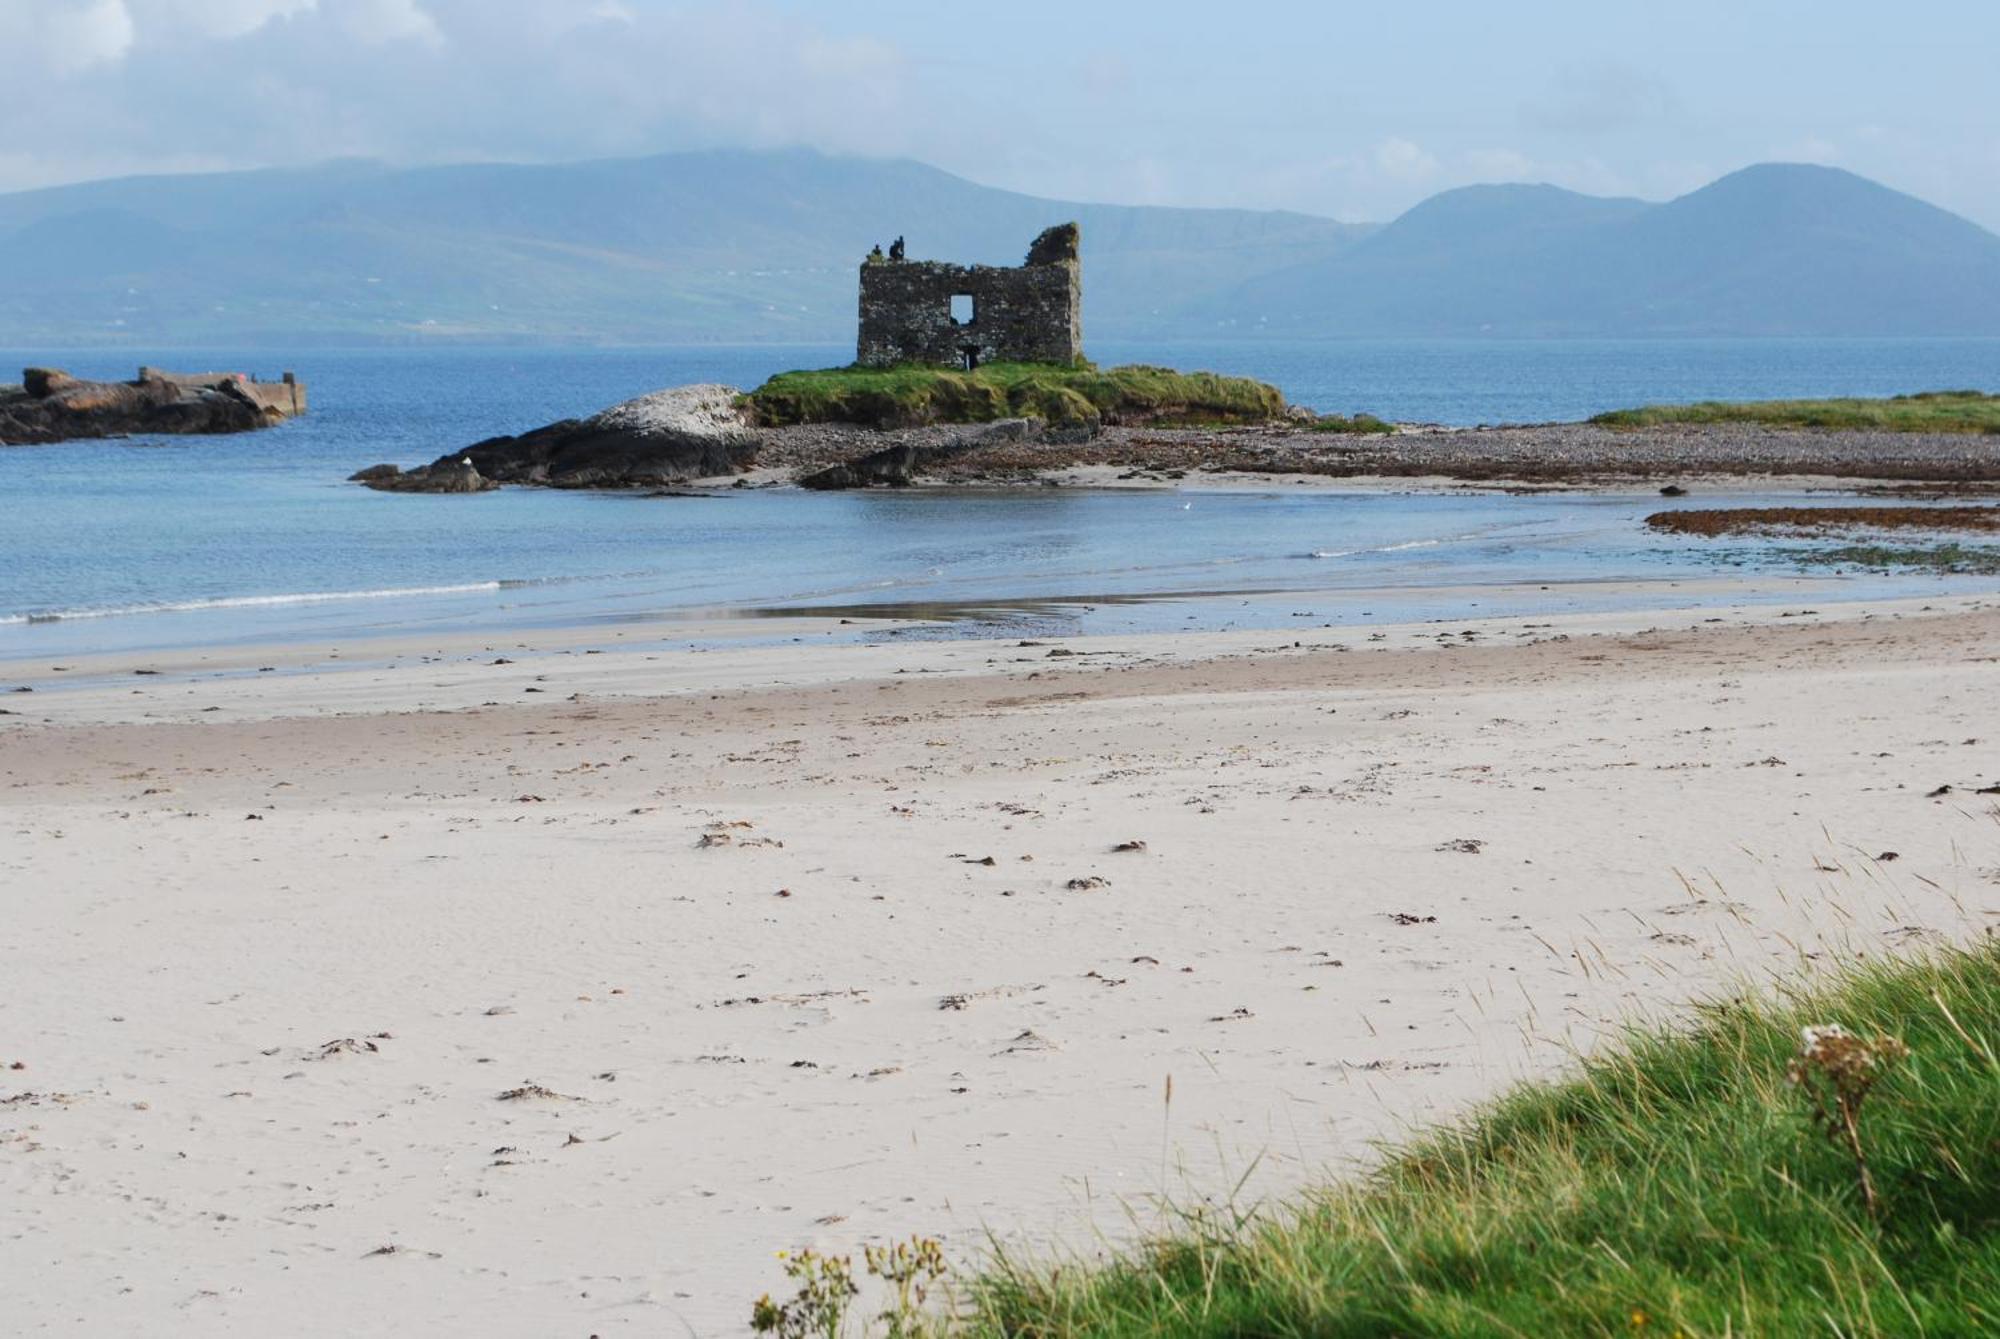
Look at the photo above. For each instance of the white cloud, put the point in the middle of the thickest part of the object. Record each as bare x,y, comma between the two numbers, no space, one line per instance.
379,21
63,37
1403,159
113,83
210,18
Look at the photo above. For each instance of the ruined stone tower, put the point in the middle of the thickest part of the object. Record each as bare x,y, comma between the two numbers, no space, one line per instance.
927,311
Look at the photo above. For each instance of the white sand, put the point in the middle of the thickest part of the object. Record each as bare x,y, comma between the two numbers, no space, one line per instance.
747,1036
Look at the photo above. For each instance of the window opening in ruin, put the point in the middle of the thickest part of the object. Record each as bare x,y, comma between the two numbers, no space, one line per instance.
971,355
961,309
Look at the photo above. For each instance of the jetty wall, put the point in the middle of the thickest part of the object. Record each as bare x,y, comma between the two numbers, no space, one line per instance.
286,396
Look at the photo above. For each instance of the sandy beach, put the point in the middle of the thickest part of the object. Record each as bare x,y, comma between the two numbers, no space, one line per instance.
548,985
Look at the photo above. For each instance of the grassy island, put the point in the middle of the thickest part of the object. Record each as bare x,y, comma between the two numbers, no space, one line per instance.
1927,411
1681,1185
1078,395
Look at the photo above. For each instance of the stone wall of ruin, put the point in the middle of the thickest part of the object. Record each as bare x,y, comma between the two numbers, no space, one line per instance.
1031,313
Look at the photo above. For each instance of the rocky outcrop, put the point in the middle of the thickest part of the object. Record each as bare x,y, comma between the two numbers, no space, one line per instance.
891,467
52,406
42,382
453,474
900,465
668,437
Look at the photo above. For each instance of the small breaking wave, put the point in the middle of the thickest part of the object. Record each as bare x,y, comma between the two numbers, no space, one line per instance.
256,601
1385,548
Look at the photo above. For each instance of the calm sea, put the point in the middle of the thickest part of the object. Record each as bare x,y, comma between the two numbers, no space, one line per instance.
154,543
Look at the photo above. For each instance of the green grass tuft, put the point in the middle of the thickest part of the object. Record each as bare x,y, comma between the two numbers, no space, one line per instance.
1358,425
1065,396
1675,1187
1926,411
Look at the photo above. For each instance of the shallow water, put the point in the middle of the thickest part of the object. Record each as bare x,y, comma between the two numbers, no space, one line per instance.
186,541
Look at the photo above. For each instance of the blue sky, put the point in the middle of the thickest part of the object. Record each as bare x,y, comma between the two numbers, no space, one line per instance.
1352,110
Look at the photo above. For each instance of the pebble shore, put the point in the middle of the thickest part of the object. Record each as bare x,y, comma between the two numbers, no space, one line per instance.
1541,453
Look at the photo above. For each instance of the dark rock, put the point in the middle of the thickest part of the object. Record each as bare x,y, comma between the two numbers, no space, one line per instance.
1001,430
891,467
440,476
668,437
53,406
898,466
374,473
41,382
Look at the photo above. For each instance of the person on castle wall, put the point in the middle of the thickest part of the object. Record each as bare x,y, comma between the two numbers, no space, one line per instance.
896,249
875,256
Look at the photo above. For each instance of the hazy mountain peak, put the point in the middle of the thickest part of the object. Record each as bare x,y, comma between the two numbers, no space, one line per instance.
1781,176
1769,197
1512,197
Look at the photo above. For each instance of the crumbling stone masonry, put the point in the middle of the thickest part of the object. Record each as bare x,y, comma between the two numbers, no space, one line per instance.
927,311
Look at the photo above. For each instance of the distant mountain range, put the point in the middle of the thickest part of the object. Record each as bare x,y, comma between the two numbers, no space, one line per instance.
1778,249
741,246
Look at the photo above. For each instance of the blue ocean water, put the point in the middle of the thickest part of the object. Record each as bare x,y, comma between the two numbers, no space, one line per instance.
188,541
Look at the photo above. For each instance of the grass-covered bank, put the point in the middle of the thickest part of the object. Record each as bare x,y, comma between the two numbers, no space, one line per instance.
899,397
1929,411
1679,1186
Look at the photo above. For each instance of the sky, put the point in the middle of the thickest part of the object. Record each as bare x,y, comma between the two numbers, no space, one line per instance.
1351,110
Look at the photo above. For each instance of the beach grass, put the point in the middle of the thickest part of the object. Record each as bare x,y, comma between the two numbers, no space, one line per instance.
1966,411
1357,425
1060,394
1677,1186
